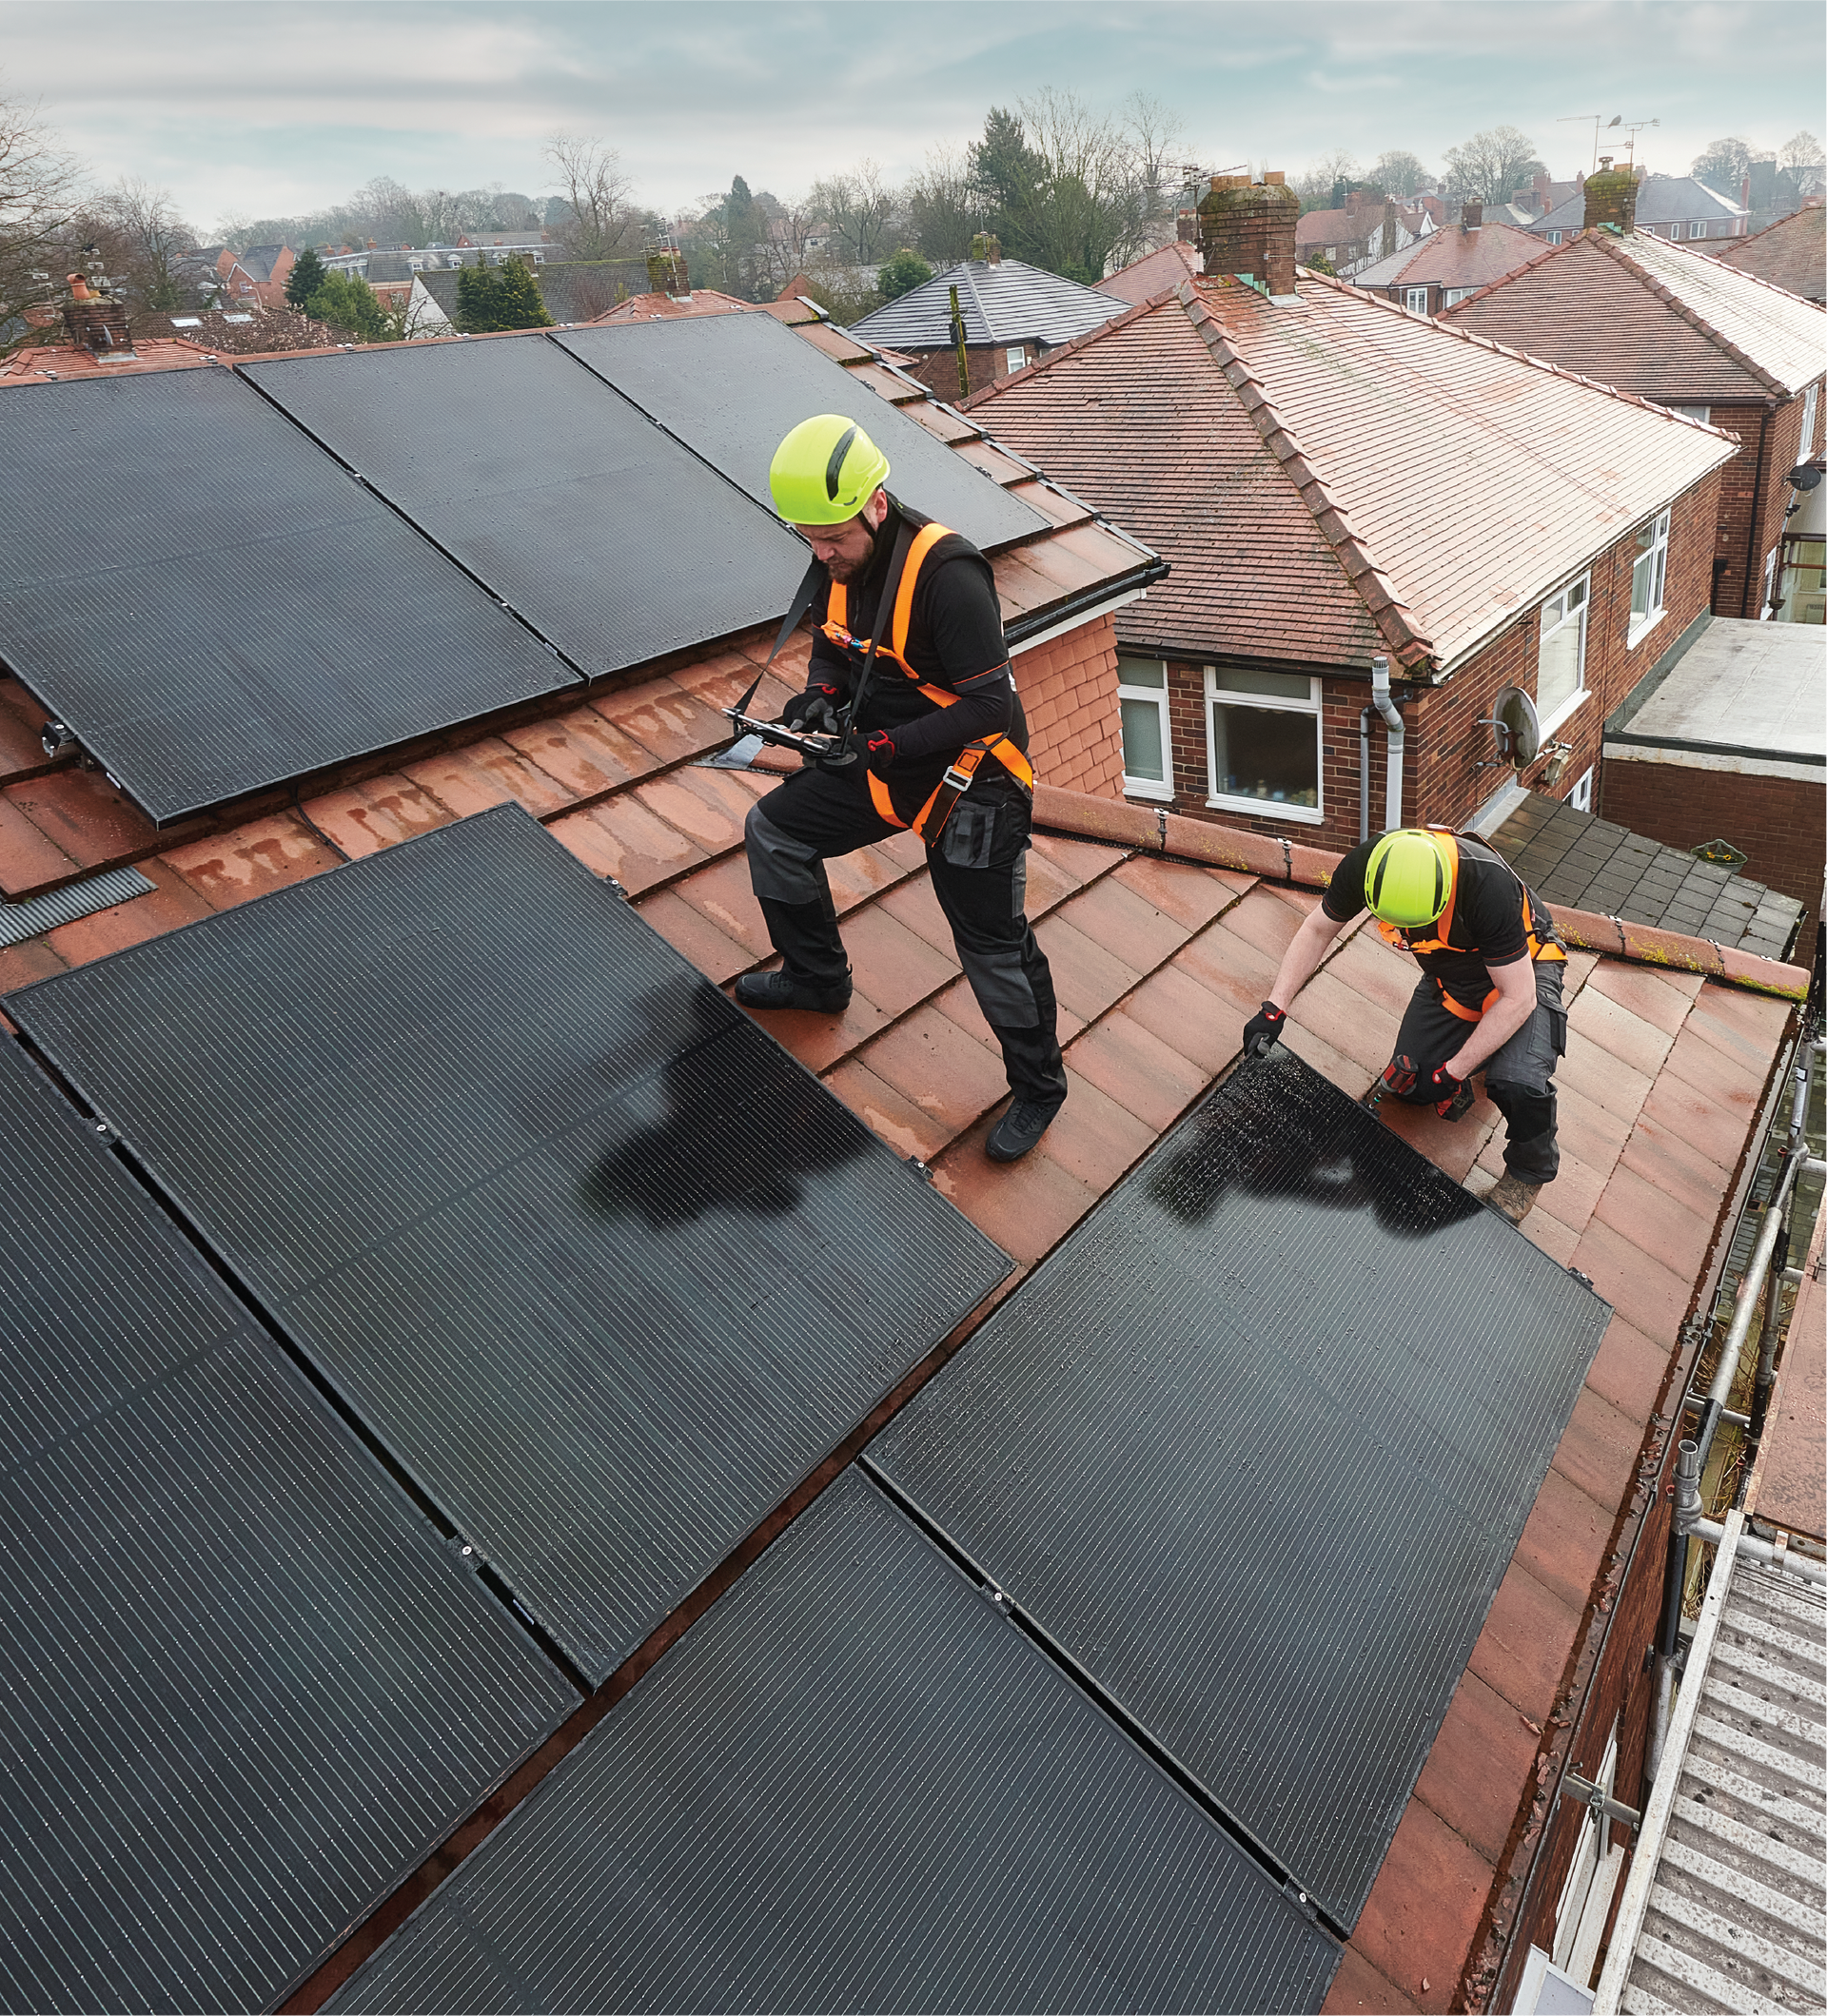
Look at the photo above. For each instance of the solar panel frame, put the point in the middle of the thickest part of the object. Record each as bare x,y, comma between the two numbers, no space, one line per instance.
464,1124
1254,1446
215,607
730,387
853,1785
614,541
247,1687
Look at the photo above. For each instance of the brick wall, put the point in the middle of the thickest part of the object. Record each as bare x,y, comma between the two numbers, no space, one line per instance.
1067,691
938,369
1445,745
1779,822
1748,478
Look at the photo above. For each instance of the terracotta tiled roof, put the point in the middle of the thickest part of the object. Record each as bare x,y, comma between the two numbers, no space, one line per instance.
1162,940
1791,253
1661,319
32,366
670,307
1454,482
1158,273
1453,257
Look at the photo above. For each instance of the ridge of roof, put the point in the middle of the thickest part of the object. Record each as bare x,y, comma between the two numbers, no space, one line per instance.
1394,620
984,394
970,280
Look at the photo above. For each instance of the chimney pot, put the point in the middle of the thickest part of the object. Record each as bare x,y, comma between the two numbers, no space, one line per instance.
1274,178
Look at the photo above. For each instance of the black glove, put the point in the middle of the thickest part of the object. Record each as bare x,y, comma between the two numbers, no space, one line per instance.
814,712
1452,1096
1262,1029
878,750
1399,1075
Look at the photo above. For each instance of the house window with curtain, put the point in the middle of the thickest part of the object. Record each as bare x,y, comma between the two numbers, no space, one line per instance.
1263,743
1648,576
1147,742
1560,663
1553,237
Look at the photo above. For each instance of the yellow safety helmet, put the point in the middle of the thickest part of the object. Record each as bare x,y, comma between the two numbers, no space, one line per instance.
825,471
1408,878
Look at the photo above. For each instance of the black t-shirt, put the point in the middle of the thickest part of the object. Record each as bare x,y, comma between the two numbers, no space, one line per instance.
953,639
1485,925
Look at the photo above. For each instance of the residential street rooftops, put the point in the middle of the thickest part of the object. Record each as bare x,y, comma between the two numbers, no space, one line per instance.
1661,200
1791,253
1453,257
1002,301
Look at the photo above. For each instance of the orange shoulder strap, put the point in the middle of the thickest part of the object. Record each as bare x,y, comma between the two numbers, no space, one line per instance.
924,541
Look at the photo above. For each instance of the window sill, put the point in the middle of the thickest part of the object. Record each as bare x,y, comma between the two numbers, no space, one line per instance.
1638,631
1268,808
1551,722
1143,787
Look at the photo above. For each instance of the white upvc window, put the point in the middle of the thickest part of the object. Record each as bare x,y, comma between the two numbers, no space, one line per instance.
1415,299
1809,401
1553,237
1697,228
1262,751
1457,294
1648,576
1561,663
1016,358
1580,798
1147,737
1702,414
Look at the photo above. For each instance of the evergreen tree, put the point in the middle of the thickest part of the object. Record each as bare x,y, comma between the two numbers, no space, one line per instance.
519,303
902,274
476,293
351,303
1006,175
307,276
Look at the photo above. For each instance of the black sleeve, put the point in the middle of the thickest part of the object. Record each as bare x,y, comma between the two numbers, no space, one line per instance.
1489,912
986,708
1343,896
963,619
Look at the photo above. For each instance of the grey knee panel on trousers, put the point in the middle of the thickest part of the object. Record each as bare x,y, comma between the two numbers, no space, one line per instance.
782,869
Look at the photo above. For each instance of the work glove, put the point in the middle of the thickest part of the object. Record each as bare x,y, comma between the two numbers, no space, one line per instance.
1452,1096
1262,1029
814,712
1399,1075
878,750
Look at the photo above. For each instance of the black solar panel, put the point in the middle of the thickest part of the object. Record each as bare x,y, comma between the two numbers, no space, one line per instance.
603,531
731,385
214,607
604,1266
855,1785
244,1688
1255,1445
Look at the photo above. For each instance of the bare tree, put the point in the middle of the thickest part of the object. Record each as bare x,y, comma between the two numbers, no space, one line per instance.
141,240
1397,172
1803,151
599,221
1157,142
1317,185
1489,167
943,208
38,185
860,207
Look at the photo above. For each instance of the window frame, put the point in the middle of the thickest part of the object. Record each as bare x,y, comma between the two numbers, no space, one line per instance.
1581,691
1156,794
1701,414
1697,228
1580,798
1455,295
1313,706
1810,408
1016,357
1554,238
1639,624
1408,300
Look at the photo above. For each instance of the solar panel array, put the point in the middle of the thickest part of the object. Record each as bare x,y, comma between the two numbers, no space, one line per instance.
599,1264
243,1687
853,1786
1255,1446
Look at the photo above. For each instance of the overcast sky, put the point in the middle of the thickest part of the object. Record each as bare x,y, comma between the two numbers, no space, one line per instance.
252,108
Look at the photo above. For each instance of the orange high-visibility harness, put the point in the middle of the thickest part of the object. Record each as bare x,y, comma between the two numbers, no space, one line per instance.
929,822
1540,949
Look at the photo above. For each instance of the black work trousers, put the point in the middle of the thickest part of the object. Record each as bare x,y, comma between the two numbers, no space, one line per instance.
1518,1078
979,868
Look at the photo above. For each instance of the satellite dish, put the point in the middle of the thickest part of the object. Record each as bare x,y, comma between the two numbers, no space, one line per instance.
1519,731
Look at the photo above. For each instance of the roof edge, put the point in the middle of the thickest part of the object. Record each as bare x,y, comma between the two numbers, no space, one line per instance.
1614,247
1154,829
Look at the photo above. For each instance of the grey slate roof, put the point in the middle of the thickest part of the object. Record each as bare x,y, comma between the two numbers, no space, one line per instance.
257,262
1593,864
1661,199
1007,302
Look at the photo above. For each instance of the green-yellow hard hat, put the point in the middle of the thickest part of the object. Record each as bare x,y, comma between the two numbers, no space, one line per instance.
825,471
1408,878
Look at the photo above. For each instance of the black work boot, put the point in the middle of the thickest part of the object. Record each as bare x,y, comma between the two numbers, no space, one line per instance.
1021,1128
780,990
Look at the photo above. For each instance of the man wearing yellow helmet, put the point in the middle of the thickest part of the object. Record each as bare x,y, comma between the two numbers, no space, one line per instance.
1489,996
907,637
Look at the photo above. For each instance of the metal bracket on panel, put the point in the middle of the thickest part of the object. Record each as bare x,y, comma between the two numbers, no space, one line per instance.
1584,1280
1161,817
610,883
997,1601
1302,1901
1288,860
920,1168
102,1132
1574,1787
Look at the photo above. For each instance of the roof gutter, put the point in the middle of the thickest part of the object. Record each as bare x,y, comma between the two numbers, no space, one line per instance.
1028,631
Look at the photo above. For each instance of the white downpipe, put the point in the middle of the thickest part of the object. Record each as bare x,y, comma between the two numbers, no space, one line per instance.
1392,721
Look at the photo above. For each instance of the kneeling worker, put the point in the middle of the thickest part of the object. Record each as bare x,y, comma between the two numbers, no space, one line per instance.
940,747
1489,996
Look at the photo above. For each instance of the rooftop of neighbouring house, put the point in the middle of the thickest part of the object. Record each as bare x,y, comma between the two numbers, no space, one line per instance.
668,307
1157,273
1742,692
1163,937
1569,856
1661,319
1453,257
1661,199
1338,476
1791,253
40,363
1324,227
1002,301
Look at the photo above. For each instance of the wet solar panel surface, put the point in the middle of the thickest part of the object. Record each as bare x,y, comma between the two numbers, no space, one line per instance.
855,1785
604,1267
1255,1446
244,1688
611,539
214,607
730,387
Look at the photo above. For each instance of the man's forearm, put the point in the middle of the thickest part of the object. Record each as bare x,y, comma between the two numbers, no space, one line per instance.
1302,959
1493,1029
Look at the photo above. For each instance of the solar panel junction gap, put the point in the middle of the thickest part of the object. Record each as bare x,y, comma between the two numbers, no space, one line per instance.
853,1785
600,1266
247,1690
208,552
1253,1447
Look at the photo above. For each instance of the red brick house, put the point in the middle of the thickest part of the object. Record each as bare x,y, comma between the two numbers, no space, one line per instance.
1791,253
257,277
1449,265
1694,333
1337,481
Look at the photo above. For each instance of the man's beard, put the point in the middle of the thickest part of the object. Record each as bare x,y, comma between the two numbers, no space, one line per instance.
846,571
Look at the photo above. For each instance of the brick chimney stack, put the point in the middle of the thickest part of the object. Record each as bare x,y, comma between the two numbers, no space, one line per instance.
1247,227
1611,196
986,248
1471,216
666,273
96,322
1388,241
